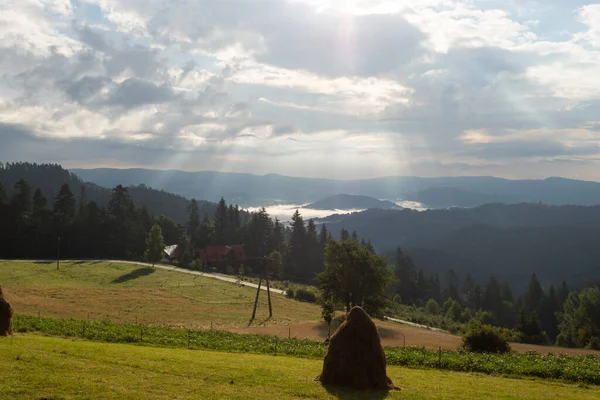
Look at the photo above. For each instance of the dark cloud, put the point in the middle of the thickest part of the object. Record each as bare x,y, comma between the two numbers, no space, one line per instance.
133,93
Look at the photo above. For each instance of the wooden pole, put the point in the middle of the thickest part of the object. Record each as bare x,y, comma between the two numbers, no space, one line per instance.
256,300
266,269
58,254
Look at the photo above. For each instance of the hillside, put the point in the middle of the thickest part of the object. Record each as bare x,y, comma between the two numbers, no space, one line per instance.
443,197
49,177
262,190
508,241
351,202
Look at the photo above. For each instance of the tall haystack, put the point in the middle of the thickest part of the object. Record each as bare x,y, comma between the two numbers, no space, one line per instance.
6,316
355,357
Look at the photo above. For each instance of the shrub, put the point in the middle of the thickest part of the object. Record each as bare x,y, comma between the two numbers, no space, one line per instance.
305,294
432,307
289,292
484,339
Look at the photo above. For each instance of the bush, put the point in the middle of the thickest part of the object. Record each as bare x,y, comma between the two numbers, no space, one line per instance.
305,295
289,292
432,307
484,339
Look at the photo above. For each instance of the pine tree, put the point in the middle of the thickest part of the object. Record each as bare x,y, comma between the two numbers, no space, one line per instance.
64,204
534,294
154,245
120,206
297,248
193,224
221,223
39,204
406,276
82,200
22,198
344,235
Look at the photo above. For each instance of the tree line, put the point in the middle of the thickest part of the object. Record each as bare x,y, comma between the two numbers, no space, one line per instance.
539,316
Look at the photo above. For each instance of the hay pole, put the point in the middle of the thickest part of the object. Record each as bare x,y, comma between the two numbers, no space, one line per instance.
256,299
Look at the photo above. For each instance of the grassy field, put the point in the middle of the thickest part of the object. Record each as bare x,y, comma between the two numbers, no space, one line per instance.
128,293
567,368
42,367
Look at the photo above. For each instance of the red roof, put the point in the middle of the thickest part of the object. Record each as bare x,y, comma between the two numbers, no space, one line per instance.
220,253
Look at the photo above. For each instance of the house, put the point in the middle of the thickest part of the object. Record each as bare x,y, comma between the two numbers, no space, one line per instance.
229,257
171,253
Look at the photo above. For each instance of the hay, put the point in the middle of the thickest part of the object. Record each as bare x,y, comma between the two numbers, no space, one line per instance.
6,316
355,357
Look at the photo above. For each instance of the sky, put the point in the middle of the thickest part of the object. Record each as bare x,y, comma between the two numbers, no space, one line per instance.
342,89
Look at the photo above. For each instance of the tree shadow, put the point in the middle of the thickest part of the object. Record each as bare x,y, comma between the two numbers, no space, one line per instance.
138,273
350,394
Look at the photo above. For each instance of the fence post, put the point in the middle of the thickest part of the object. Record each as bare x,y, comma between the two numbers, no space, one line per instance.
189,333
440,358
141,333
83,333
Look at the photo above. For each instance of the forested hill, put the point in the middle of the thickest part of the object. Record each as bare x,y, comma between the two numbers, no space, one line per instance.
50,177
508,241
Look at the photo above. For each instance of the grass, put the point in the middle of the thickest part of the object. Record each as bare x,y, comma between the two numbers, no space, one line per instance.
563,367
128,293
53,368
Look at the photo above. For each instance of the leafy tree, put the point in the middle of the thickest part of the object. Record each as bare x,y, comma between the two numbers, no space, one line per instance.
354,276
154,245
483,338
172,233
275,264
579,322
454,311
432,307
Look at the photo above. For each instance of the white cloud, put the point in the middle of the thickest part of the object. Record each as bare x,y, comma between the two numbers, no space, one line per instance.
357,87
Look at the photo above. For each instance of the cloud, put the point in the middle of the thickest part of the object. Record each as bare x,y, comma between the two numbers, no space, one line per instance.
339,88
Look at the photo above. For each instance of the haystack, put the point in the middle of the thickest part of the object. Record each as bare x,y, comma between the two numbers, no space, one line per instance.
355,357
6,316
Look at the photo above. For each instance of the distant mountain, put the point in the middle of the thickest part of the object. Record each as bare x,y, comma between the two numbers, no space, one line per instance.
444,197
442,192
352,202
508,241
